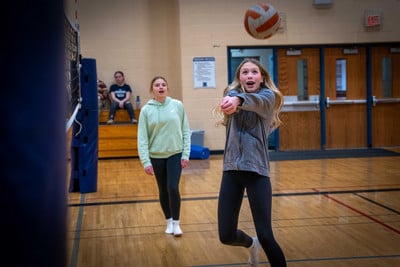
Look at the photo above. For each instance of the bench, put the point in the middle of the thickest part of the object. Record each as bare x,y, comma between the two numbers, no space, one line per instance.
117,140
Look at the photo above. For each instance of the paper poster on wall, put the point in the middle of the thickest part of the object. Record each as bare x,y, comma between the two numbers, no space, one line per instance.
204,72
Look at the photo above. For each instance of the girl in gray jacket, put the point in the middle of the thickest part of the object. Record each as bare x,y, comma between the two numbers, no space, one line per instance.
251,105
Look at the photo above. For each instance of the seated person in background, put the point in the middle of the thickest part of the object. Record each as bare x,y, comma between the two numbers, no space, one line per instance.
102,95
120,94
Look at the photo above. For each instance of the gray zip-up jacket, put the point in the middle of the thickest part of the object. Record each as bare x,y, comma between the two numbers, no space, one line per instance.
247,131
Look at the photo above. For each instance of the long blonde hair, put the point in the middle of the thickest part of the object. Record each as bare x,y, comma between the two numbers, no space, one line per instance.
267,83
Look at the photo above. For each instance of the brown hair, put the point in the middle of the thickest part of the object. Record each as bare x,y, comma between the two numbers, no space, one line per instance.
119,72
154,79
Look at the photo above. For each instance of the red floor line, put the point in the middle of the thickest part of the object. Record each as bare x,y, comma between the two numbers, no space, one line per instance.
361,213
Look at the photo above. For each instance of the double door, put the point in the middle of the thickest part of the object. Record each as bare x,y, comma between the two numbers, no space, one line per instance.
339,97
385,96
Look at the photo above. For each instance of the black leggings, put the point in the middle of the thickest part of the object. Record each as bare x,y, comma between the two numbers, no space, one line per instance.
259,194
168,173
127,105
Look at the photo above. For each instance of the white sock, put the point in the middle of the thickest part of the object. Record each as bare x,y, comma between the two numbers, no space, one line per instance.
177,228
170,226
253,258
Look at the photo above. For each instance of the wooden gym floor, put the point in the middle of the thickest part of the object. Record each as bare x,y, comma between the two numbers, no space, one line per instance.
326,213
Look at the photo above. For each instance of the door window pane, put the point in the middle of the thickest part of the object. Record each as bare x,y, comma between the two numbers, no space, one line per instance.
302,79
341,82
387,83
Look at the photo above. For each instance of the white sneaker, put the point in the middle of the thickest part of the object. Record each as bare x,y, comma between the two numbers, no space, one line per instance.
110,121
134,121
170,227
253,258
177,228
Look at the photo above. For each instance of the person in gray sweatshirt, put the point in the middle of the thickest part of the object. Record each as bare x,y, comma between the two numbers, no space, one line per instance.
250,106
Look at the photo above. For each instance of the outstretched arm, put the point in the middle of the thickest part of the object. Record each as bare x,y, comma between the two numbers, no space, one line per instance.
229,104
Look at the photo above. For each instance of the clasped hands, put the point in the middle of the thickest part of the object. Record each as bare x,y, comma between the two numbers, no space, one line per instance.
229,104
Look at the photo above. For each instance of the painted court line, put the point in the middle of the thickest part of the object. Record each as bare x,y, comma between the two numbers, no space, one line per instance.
75,246
309,260
361,213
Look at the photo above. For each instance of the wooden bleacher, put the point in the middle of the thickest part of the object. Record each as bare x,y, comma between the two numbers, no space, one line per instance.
117,140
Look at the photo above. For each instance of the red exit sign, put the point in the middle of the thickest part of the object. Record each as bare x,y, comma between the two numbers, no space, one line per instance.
372,17
373,20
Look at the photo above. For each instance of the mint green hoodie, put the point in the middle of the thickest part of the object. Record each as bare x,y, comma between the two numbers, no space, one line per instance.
163,130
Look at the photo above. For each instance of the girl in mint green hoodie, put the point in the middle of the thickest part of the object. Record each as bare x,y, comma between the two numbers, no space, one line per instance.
164,148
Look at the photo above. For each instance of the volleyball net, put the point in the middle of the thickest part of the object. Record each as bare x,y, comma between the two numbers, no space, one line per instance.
82,119
72,71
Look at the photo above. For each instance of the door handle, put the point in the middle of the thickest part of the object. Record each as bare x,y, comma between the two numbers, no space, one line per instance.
344,101
374,101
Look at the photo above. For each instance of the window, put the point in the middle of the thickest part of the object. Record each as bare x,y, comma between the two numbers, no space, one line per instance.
302,79
341,82
387,83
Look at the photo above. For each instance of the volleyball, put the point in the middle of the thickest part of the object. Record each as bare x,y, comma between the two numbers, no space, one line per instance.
261,21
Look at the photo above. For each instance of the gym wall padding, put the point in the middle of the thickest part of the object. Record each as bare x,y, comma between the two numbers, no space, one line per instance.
84,145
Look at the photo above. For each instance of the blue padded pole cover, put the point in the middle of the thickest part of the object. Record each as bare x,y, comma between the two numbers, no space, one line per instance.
84,150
